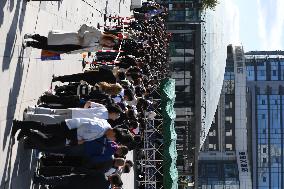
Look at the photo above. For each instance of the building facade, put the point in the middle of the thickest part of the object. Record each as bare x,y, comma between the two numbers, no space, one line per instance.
218,174
182,53
223,160
265,97
198,64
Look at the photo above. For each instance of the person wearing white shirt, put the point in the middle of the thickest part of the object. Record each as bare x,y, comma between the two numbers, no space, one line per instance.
77,131
86,39
90,110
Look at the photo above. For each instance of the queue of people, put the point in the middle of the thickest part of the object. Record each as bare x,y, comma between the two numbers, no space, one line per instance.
86,126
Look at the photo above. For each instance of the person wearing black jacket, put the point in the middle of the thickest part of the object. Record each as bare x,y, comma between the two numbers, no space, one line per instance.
97,180
73,101
92,77
65,165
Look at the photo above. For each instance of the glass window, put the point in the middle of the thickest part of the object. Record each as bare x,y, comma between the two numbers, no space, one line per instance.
181,66
229,76
181,27
181,49
229,147
212,170
229,132
261,71
268,118
229,106
229,119
176,15
282,70
212,133
250,73
189,14
230,170
212,146
186,39
264,181
180,14
274,70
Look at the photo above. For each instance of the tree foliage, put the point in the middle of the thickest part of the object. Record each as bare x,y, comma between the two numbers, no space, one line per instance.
209,4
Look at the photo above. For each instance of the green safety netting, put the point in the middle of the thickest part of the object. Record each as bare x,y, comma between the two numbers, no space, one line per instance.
167,87
170,172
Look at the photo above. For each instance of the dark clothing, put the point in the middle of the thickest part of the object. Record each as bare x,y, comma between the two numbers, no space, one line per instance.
74,101
126,62
48,136
75,181
55,160
41,43
67,90
49,129
51,171
84,168
83,91
71,101
75,89
106,56
95,151
92,77
99,97
38,141
130,47
100,150
118,123
57,130
65,170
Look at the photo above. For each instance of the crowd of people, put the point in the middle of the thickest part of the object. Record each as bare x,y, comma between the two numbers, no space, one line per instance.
85,127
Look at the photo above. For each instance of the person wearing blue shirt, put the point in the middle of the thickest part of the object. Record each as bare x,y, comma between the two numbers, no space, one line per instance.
98,150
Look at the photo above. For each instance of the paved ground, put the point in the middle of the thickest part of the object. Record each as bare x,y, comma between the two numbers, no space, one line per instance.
24,77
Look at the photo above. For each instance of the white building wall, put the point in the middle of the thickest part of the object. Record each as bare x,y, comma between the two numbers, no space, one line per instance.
240,120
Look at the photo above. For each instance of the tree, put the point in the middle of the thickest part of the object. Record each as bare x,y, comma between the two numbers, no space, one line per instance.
209,4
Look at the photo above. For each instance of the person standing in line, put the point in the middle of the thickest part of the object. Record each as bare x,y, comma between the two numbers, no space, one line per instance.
91,110
57,166
77,131
86,39
92,77
80,181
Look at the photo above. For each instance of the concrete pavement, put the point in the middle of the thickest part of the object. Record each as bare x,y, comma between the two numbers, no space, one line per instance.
24,77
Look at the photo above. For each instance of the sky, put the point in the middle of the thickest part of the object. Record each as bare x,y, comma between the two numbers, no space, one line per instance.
255,24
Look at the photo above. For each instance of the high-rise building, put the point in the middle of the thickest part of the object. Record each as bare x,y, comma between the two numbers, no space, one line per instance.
197,57
182,54
223,160
265,102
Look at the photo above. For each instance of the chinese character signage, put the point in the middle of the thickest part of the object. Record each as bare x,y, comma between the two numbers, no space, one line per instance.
243,163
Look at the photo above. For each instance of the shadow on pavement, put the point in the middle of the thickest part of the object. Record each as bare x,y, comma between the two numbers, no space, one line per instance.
17,23
2,5
13,97
7,168
23,168
18,175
